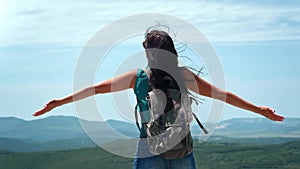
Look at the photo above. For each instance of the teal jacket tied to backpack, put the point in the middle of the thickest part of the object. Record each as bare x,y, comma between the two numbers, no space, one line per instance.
141,90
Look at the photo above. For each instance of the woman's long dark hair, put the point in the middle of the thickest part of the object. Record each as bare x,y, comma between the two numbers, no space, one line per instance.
163,63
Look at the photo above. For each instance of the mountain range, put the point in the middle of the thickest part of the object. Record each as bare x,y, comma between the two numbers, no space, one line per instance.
65,132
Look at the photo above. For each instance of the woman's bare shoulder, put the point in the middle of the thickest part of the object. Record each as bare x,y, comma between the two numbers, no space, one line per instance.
187,74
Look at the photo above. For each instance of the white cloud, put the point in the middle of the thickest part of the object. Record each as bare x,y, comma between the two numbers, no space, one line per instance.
69,23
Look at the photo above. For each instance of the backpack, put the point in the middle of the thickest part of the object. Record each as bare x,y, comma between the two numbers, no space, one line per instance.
168,132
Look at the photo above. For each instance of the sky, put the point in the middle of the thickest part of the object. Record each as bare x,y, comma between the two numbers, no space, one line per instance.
257,42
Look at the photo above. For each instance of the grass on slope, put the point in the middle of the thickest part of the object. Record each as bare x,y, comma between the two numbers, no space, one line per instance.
207,156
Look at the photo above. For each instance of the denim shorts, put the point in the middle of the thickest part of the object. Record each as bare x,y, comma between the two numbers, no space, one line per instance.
145,160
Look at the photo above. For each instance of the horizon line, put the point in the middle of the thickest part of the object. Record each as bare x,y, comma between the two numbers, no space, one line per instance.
70,116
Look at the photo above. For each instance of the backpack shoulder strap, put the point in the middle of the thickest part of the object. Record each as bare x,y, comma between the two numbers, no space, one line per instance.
200,124
136,119
148,72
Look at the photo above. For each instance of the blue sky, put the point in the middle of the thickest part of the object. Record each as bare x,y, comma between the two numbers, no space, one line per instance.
258,44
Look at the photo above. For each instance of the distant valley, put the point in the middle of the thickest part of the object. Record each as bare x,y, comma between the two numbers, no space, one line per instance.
65,132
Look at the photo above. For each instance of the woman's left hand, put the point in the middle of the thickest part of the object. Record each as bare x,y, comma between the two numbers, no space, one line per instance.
47,107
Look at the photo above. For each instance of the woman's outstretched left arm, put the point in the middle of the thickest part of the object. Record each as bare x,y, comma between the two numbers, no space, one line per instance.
122,82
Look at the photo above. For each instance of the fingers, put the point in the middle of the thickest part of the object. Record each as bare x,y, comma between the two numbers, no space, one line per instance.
38,113
276,117
270,114
42,111
47,107
279,118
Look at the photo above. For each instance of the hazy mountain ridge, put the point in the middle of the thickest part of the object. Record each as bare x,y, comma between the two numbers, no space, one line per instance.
258,127
65,132
46,129
66,127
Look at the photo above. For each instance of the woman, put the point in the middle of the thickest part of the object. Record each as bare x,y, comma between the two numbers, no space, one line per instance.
156,42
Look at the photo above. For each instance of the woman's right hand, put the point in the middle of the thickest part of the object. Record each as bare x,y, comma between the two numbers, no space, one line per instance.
47,107
270,113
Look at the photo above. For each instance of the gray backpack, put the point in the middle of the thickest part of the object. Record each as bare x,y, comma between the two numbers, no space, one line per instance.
168,132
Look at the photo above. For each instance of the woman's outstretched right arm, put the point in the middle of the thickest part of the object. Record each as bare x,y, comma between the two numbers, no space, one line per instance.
204,88
122,82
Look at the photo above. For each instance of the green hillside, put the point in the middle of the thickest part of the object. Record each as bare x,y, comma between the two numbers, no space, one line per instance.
208,156
236,156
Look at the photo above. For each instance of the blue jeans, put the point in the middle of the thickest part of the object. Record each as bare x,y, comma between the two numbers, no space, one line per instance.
145,160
